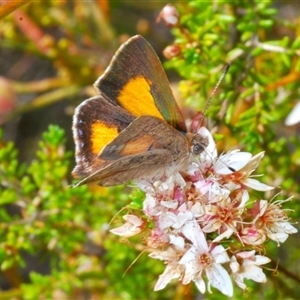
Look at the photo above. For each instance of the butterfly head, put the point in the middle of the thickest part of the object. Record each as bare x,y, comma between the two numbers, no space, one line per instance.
198,144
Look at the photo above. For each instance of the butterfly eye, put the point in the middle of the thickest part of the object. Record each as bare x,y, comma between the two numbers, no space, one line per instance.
197,149
199,143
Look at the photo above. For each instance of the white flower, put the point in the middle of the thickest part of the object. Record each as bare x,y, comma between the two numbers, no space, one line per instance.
173,220
231,162
252,236
132,226
201,259
238,167
151,206
173,269
273,220
246,265
208,201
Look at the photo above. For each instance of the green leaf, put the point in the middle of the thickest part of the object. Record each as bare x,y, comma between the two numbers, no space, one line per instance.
266,23
296,43
7,263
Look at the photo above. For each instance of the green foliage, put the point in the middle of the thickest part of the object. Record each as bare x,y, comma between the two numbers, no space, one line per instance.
242,33
67,228
68,225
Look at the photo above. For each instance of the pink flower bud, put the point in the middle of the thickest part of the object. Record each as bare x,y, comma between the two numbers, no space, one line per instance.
170,15
171,51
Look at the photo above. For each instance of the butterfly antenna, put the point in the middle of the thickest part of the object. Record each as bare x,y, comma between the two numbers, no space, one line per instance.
225,70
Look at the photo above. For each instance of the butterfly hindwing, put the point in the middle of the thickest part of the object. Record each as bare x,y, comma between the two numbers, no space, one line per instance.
96,123
138,150
144,134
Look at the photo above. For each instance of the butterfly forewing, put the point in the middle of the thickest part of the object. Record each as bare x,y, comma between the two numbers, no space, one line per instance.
137,81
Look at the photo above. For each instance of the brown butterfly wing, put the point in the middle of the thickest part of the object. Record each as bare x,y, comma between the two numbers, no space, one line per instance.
136,81
144,149
134,85
96,123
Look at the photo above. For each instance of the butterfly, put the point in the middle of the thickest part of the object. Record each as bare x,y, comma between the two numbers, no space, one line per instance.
133,129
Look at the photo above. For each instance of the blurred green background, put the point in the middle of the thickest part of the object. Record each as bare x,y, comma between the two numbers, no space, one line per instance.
55,242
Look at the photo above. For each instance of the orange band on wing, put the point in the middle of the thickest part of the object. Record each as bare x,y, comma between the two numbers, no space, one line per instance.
102,134
136,98
138,145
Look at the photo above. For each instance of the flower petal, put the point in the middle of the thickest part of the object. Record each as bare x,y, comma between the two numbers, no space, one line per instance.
294,116
256,185
232,160
193,232
171,272
220,279
255,273
177,241
200,284
220,255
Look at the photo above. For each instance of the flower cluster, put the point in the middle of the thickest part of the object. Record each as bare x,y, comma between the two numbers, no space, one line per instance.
203,224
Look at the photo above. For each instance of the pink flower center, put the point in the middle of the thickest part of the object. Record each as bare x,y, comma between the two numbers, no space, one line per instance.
205,260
